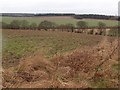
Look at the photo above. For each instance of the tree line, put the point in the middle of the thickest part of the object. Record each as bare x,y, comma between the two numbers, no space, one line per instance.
94,16
47,25
76,16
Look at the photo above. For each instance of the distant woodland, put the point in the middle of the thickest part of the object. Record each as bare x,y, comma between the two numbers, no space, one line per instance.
76,16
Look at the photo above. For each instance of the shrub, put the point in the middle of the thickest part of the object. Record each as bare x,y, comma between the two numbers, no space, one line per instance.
46,25
91,32
24,24
4,25
113,33
33,26
15,24
101,25
69,27
82,24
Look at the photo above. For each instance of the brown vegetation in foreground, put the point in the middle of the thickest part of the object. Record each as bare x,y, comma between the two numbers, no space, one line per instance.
80,69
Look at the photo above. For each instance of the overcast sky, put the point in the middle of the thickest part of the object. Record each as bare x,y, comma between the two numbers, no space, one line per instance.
109,7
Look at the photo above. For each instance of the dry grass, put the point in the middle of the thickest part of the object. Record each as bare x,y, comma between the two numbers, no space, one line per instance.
78,69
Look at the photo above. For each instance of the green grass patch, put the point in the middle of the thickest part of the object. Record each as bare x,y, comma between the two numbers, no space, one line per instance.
60,20
19,44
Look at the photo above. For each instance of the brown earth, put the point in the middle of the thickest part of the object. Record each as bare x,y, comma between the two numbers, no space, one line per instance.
101,20
79,69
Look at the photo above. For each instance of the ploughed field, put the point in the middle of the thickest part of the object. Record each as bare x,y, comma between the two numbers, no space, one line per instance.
18,44
60,20
52,59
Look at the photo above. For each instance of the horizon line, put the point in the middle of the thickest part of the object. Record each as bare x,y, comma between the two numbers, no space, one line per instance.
57,13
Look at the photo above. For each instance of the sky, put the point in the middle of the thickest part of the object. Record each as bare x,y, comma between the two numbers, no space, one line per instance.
106,7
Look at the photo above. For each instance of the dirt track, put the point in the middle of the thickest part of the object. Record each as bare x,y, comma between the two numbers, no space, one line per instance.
76,70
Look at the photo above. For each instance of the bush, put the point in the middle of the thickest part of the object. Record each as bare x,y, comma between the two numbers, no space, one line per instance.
33,26
103,33
46,25
113,32
91,32
24,24
15,24
62,26
69,27
82,24
4,25
101,25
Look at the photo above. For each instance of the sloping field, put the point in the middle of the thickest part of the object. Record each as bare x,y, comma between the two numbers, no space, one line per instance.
96,67
60,20
18,44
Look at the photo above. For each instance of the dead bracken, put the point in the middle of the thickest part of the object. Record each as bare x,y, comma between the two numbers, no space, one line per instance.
85,68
